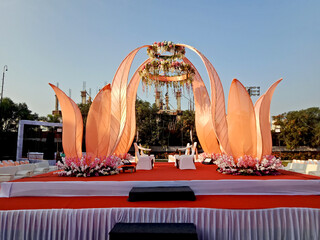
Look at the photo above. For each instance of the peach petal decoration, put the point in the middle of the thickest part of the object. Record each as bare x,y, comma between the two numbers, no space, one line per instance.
98,124
130,126
218,109
203,118
262,110
72,130
241,121
119,98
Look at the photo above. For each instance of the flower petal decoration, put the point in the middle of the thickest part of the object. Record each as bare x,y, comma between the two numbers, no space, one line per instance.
72,130
262,111
98,124
218,109
241,121
119,98
203,117
130,126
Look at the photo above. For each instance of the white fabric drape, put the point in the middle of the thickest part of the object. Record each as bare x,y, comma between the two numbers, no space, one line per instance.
278,223
200,187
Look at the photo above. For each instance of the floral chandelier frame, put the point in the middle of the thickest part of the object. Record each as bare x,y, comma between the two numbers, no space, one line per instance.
166,70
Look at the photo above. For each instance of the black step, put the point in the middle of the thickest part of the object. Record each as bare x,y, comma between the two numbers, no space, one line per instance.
154,231
168,193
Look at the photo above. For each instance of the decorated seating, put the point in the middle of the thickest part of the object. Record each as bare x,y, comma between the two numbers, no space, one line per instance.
7,163
187,161
25,170
143,162
7,173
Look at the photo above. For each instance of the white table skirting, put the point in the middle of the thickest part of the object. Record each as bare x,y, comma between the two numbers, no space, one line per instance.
122,188
86,224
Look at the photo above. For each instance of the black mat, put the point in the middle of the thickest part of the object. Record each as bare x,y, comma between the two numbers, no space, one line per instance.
153,231
174,193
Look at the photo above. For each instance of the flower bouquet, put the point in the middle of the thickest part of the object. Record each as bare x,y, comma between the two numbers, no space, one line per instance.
88,167
248,165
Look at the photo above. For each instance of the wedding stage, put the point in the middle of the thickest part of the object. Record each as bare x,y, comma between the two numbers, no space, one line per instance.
33,208
204,181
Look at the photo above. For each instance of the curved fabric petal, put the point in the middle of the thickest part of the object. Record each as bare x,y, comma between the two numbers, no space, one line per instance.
118,100
241,121
218,109
72,130
262,109
203,118
130,126
98,124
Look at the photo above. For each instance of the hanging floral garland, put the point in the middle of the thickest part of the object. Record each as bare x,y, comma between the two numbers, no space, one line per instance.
166,70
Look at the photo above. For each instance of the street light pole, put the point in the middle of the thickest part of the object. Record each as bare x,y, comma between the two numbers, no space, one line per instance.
5,69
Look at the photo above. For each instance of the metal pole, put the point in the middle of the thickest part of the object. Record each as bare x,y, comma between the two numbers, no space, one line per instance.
5,68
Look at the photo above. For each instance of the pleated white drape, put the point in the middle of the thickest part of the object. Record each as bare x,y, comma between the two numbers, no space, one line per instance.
278,223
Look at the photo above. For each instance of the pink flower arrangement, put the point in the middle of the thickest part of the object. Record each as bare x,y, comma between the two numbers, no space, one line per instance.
88,167
248,165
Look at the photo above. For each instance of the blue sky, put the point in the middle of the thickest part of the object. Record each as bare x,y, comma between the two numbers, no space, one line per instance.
74,41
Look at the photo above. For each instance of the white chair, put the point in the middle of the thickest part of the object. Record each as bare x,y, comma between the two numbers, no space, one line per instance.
288,167
25,170
187,151
142,149
299,167
41,167
143,162
8,173
316,172
187,161
44,167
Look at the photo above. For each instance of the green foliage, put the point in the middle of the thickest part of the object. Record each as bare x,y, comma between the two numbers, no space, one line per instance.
52,118
84,109
153,128
299,128
11,113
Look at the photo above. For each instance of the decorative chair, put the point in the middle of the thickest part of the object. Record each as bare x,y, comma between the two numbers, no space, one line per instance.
8,173
187,161
173,158
142,149
143,162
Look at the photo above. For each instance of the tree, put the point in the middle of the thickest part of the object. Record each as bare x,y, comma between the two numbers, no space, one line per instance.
12,112
162,129
51,118
299,128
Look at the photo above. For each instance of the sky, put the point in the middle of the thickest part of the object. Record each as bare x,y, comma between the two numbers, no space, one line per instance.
76,41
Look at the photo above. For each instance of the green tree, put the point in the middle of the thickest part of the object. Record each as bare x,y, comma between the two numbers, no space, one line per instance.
12,112
51,118
299,128
84,109
162,129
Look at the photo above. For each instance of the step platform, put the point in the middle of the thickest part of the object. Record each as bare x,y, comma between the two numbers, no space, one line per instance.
154,231
168,193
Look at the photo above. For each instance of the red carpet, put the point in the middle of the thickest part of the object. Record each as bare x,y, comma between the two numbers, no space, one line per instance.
219,202
167,172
